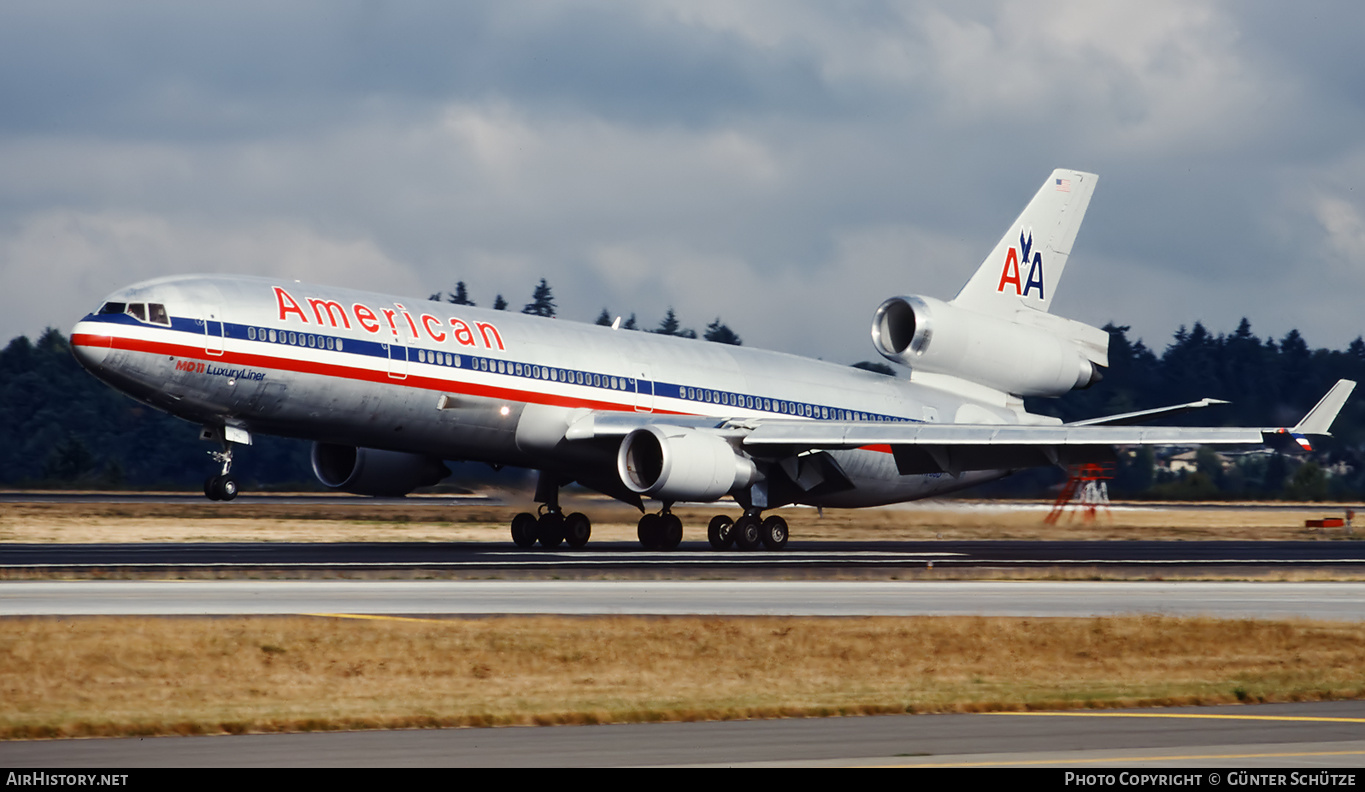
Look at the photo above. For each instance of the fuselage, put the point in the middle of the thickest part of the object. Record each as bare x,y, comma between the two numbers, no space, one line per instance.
462,383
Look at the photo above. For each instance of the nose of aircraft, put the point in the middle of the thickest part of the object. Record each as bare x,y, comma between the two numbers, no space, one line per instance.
89,345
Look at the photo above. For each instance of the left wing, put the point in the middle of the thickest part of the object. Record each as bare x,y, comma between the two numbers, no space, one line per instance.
957,448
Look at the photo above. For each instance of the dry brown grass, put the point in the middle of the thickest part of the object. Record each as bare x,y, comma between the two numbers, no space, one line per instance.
89,676
434,520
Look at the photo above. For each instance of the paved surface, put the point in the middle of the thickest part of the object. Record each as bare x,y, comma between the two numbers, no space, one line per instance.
693,558
1335,601
1307,737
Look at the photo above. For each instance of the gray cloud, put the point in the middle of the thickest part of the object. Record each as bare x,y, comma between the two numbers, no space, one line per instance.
784,165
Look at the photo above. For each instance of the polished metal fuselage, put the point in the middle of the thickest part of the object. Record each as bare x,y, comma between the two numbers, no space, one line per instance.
462,383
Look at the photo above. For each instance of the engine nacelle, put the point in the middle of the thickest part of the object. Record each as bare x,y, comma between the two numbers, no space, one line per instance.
1028,354
674,464
370,471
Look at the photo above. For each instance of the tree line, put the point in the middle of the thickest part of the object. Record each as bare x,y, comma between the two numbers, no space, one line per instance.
543,304
59,426
1267,382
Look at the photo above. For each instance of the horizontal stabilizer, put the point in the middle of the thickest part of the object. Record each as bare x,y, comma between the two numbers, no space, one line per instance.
1319,420
1142,416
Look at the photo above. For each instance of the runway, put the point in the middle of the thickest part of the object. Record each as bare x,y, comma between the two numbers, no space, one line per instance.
1330,601
1304,737
692,559
802,581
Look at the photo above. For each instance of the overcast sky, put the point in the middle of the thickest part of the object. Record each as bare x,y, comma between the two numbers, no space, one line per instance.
783,165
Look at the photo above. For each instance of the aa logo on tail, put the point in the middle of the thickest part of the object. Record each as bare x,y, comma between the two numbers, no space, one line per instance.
1013,260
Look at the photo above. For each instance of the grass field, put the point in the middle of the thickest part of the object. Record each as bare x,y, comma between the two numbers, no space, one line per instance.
125,676
143,676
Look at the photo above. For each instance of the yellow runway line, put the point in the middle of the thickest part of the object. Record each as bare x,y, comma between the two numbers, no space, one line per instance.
1183,715
375,618
1137,759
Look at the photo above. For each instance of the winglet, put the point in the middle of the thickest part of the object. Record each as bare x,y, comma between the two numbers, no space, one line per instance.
1319,419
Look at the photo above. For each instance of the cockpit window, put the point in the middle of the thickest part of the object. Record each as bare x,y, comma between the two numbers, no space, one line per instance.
143,312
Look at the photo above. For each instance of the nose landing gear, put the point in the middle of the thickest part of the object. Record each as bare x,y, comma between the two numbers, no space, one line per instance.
222,487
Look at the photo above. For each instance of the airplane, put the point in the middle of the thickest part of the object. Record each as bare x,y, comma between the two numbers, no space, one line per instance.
389,388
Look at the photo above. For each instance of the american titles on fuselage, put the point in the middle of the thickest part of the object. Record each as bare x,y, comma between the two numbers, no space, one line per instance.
318,315
333,314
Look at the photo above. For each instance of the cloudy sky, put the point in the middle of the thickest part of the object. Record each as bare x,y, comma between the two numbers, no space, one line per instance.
784,165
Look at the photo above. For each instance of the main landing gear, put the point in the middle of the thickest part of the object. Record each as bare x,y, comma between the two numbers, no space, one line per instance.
749,532
663,531
551,529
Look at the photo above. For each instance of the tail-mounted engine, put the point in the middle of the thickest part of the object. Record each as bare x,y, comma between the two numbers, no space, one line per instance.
1029,353
369,471
674,464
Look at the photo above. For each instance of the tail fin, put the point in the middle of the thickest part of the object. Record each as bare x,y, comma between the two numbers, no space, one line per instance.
1027,263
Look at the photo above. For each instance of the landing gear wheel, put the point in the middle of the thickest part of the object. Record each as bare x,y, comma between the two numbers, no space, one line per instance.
648,531
221,488
550,527
720,532
670,532
774,533
524,530
577,529
748,532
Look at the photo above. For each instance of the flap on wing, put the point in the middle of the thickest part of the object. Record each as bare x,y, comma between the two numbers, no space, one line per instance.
619,424
918,459
836,434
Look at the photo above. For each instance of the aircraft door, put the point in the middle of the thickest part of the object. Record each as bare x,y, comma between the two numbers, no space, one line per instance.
644,388
214,326
398,357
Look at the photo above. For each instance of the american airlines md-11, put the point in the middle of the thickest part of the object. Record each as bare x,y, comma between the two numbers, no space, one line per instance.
388,388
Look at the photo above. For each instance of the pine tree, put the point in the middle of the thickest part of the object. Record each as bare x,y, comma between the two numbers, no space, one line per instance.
542,301
669,325
1357,349
499,304
721,334
461,295
604,318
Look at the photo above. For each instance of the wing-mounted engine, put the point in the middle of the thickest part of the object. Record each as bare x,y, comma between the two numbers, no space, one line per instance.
1026,353
682,464
370,471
